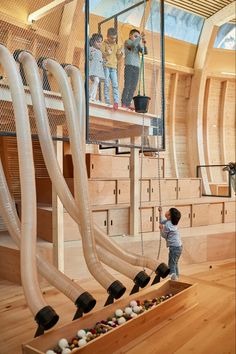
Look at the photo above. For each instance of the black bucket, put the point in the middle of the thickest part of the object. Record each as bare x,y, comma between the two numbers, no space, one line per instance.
141,103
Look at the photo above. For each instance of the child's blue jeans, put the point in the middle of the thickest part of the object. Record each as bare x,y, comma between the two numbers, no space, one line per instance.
111,74
174,254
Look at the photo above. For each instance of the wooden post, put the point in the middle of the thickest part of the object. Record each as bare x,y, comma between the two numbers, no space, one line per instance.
134,189
58,213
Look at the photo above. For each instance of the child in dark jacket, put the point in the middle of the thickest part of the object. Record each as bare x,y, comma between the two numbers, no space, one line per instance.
133,49
170,233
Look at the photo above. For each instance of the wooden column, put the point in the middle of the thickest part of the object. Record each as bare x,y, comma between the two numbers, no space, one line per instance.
134,189
58,213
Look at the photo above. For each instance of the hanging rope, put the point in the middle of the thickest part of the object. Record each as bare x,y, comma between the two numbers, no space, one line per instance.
141,74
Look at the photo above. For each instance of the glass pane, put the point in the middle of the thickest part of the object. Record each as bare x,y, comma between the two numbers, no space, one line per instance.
107,8
226,37
179,24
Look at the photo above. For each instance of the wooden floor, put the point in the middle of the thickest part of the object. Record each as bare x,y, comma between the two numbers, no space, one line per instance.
208,328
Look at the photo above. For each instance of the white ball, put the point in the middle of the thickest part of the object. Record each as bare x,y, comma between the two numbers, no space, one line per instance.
88,334
66,351
81,333
128,310
121,320
82,342
113,319
136,309
63,343
119,313
133,315
50,351
133,303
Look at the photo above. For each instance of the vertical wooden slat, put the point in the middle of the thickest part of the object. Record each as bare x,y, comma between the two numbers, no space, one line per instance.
172,131
222,128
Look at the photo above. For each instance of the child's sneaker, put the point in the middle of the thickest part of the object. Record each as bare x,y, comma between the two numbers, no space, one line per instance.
115,106
131,108
124,106
173,277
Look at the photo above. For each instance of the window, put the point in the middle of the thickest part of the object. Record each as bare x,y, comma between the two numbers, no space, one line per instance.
226,37
107,8
179,24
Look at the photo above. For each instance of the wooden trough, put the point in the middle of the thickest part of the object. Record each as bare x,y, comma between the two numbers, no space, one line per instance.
130,333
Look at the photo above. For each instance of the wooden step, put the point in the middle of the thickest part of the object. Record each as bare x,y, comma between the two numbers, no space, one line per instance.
200,244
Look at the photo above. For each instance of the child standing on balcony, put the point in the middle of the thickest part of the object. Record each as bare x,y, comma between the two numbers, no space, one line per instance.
96,71
111,53
133,49
170,233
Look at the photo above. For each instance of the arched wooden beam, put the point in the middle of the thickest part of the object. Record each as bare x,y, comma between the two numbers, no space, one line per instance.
173,95
222,120
206,127
195,121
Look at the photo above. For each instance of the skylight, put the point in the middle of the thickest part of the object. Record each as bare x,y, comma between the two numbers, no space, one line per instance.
179,24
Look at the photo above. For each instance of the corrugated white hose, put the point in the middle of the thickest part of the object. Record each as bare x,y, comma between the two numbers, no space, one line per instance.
31,70
100,236
107,258
46,269
29,276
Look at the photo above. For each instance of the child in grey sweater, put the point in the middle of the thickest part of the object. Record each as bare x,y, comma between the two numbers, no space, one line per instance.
170,233
133,49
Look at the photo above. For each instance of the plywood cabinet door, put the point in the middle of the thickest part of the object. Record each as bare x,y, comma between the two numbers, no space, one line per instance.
154,188
123,191
120,167
150,167
107,166
200,214
146,220
118,222
185,220
169,189
215,213
145,190
189,188
229,212
102,192
99,166
100,218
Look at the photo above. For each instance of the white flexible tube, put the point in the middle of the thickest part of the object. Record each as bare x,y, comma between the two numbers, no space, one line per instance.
29,276
100,236
107,258
31,70
46,269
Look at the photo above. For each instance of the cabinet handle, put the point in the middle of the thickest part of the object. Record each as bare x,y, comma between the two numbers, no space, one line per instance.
221,213
105,223
92,166
156,218
189,215
119,191
128,167
111,222
179,189
225,212
114,191
152,190
193,215
175,189
150,218
147,190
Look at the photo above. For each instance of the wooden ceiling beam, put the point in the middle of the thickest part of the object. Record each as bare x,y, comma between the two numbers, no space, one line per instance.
47,9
